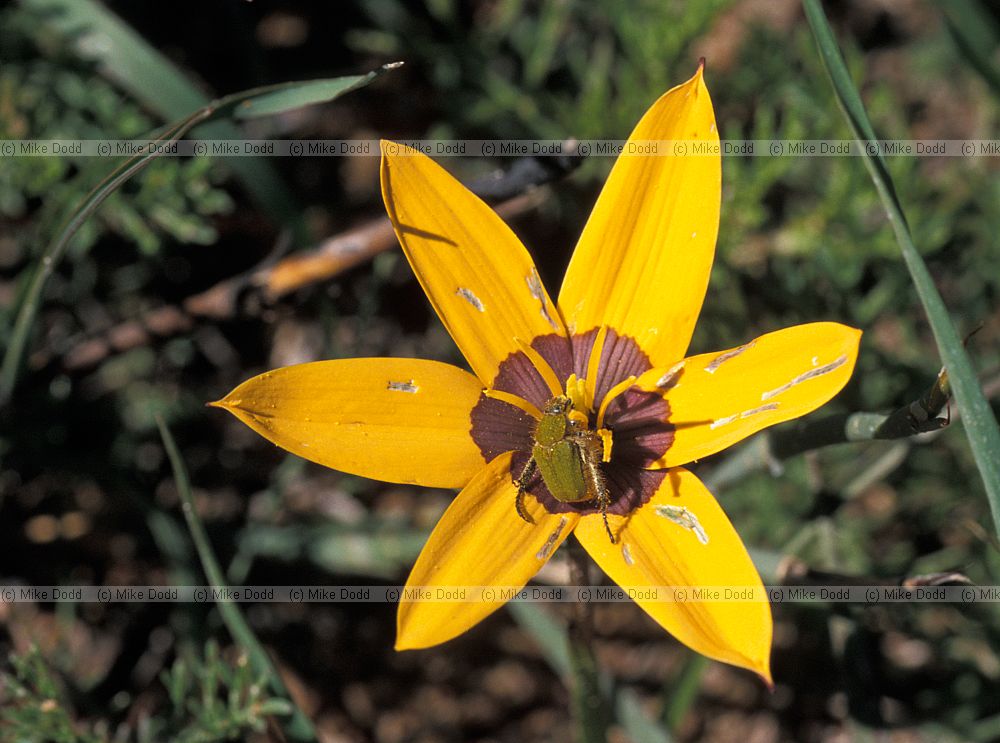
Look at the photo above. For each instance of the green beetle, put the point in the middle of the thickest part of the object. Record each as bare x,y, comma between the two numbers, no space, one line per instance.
567,455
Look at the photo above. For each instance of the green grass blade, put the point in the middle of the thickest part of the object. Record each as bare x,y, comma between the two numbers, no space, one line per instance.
977,35
254,102
977,417
298,727
554,642
546,631
641,729
56,249
681,694
283,97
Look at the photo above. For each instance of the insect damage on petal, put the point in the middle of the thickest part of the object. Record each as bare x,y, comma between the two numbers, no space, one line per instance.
669,379
683,517
538,293
550,543
471,298
811,374
627,555
407,386
745,414
722,358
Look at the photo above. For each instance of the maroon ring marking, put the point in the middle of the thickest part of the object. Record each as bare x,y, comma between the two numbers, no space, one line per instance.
637,419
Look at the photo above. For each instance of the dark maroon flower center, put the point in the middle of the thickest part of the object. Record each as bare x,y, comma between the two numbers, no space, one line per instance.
637,419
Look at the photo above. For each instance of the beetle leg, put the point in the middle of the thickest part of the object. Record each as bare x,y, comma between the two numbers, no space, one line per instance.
598,487
522,485
604,513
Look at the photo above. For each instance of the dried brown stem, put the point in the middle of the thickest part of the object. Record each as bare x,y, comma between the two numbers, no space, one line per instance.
271,280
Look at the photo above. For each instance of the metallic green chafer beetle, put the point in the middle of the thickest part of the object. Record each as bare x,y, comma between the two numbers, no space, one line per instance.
567,455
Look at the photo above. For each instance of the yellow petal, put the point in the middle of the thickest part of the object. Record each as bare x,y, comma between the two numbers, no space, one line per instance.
476,273
717,399
660,544
401,420
643,261
479,541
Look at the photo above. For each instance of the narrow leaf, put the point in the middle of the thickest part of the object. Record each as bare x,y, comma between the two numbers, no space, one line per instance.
254,102
977,417
553,640
298,727
977,35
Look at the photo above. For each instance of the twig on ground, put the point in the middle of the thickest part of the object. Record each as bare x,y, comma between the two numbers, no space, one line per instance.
276,277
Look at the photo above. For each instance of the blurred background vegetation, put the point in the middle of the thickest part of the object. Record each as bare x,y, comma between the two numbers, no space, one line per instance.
152,314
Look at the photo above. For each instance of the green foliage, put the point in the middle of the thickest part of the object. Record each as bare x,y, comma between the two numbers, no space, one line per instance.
213,700
829,247
31,704
979,421
59,97
208,699
545,70
802,239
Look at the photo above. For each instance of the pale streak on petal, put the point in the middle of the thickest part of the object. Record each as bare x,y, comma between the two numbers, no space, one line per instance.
745,414
669,379
723,421
627,555
407,386
722,358
812,373
538,293
683,517
471,298
546,551
761,409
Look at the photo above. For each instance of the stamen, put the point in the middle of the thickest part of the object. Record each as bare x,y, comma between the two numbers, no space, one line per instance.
607,441
518,402
612,394
594,365
542,366
576,391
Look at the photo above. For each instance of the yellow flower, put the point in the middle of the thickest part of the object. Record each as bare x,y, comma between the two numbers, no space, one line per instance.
614,343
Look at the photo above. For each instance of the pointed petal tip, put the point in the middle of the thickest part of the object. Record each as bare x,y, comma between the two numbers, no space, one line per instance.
415,636
402,642
768,680
763,670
